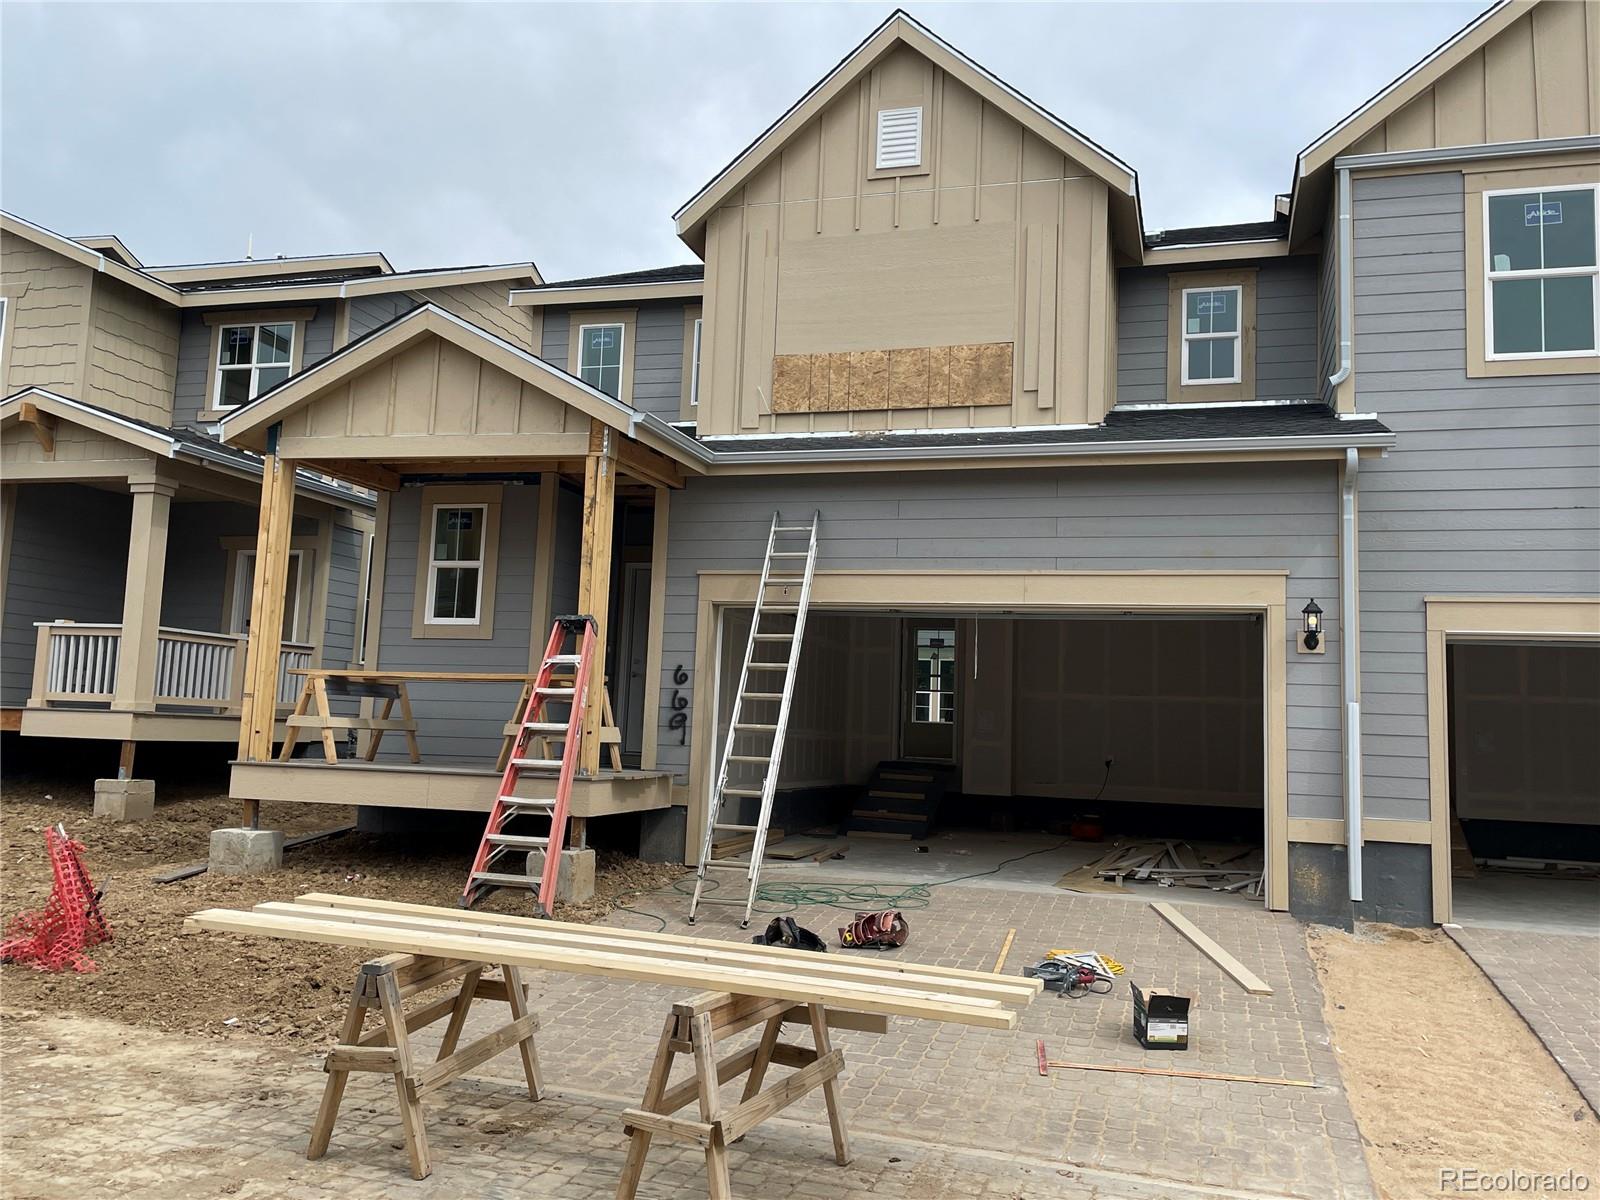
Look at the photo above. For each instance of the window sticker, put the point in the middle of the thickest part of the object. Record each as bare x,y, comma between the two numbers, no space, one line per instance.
1547,212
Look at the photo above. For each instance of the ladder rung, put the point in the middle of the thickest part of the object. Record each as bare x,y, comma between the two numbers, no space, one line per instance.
791,554
767,666
571,659
502,880
781,610
519,840
547,726
735,828
531,803
761,695
545,764
757,758
792,529
761,728
774,637
728,791
555,691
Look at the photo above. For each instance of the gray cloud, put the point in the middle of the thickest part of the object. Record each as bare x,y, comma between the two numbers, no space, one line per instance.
569,133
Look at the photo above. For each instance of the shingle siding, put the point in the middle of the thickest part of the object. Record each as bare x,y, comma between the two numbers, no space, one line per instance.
1243,517
1490,490
369,312
47,317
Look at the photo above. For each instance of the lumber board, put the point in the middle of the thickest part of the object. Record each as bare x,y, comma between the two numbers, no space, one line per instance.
653,937
410,676
1005,949
1174,1074
436,1075
780,1095
704,952
678,1127
890,996
1236,970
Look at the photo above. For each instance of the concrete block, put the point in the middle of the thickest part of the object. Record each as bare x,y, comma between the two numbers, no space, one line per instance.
125,799
574,878
246,851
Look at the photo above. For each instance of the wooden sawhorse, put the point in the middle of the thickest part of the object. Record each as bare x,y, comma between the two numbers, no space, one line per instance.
692,1028
320,685
383,985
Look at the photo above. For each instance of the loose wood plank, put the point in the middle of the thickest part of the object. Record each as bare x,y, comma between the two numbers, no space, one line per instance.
1077,1066
1236,970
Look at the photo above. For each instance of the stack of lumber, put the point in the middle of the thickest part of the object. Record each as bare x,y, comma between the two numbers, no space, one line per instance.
897,988
1170,864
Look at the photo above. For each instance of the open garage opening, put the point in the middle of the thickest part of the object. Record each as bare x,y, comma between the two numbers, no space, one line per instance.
1069,736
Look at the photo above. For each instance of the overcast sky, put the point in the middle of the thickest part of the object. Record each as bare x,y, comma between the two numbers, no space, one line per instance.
569,133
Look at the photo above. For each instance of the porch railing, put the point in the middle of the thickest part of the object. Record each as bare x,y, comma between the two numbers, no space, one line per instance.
76,663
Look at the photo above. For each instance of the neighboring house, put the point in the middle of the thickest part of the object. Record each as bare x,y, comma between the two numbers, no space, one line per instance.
1079,485
129,528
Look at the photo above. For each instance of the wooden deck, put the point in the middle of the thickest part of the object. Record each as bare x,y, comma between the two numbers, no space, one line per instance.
451,787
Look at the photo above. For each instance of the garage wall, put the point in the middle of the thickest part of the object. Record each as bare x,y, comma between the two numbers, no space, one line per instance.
1490,490
1277,516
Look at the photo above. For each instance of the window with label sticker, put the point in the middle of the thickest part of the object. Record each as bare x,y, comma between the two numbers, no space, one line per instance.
600,357
251,359
1211,335
1540,301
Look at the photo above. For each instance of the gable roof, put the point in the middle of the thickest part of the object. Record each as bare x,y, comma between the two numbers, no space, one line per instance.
162,441
251,421
277,268
1314,165
95,260
900,28
110,243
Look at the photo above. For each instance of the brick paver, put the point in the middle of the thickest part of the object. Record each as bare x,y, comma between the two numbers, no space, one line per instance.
935,1111
1552,980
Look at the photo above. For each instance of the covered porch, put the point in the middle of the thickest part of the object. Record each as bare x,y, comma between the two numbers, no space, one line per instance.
509,493
130,551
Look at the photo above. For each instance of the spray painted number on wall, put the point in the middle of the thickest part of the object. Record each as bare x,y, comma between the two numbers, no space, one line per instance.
680,705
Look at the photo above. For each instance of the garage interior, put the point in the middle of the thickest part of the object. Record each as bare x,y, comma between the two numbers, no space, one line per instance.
987,732
1524,724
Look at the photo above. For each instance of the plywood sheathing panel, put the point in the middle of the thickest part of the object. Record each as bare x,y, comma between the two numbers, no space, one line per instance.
874,380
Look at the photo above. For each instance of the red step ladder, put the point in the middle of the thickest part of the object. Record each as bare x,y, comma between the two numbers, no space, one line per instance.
563,679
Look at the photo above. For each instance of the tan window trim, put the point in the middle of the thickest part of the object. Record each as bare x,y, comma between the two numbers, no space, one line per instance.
299,317
1243,278
628,318
1479,364
687,409
488,495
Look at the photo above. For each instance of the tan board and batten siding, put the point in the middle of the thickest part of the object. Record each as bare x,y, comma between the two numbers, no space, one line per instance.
1538,78
1002,240
451,401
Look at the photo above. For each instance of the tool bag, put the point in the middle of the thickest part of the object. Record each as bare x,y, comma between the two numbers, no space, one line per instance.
877,930
784,932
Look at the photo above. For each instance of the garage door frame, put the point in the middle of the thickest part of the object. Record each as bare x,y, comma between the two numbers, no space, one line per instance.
1573,619
1023,592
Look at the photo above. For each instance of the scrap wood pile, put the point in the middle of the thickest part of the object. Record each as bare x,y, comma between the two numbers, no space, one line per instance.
1171,864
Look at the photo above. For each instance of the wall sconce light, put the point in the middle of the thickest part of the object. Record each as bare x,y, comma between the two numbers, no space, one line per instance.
1311,629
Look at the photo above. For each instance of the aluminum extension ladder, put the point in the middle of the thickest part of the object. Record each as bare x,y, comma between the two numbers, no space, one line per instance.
563,679
783,567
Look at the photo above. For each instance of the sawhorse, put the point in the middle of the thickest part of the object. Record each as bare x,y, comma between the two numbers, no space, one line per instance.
383,985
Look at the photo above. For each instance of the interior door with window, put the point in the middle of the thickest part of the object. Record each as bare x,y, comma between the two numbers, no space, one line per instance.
928,709
244,583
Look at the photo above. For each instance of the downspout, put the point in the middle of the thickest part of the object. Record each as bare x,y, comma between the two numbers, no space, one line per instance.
1350,665
1346,235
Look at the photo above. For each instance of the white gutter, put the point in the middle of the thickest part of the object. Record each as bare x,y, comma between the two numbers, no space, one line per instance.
1450,154
1350,667
1346,289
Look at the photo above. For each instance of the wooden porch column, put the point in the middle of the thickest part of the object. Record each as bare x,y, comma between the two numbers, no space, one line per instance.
594,576
258,709
141,597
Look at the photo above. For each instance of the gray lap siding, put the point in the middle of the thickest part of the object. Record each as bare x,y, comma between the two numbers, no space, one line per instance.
1493,487
1267,516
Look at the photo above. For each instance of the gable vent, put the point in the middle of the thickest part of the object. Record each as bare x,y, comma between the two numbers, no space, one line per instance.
899,138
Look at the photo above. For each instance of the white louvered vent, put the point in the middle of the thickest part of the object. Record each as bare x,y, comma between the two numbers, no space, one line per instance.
899,138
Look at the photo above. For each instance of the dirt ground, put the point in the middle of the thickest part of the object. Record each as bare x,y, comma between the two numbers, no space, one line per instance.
152,973
1441,1072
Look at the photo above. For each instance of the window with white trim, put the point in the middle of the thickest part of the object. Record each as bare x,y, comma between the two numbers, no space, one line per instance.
244,583
899,142
251,359
1212,335
455,564
933,681
600,357
694,370
1543,293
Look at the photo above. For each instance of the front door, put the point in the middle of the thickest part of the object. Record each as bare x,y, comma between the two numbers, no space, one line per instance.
630,660
928,705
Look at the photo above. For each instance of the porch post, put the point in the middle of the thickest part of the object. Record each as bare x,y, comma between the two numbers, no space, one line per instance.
594,577
135,688
259,704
